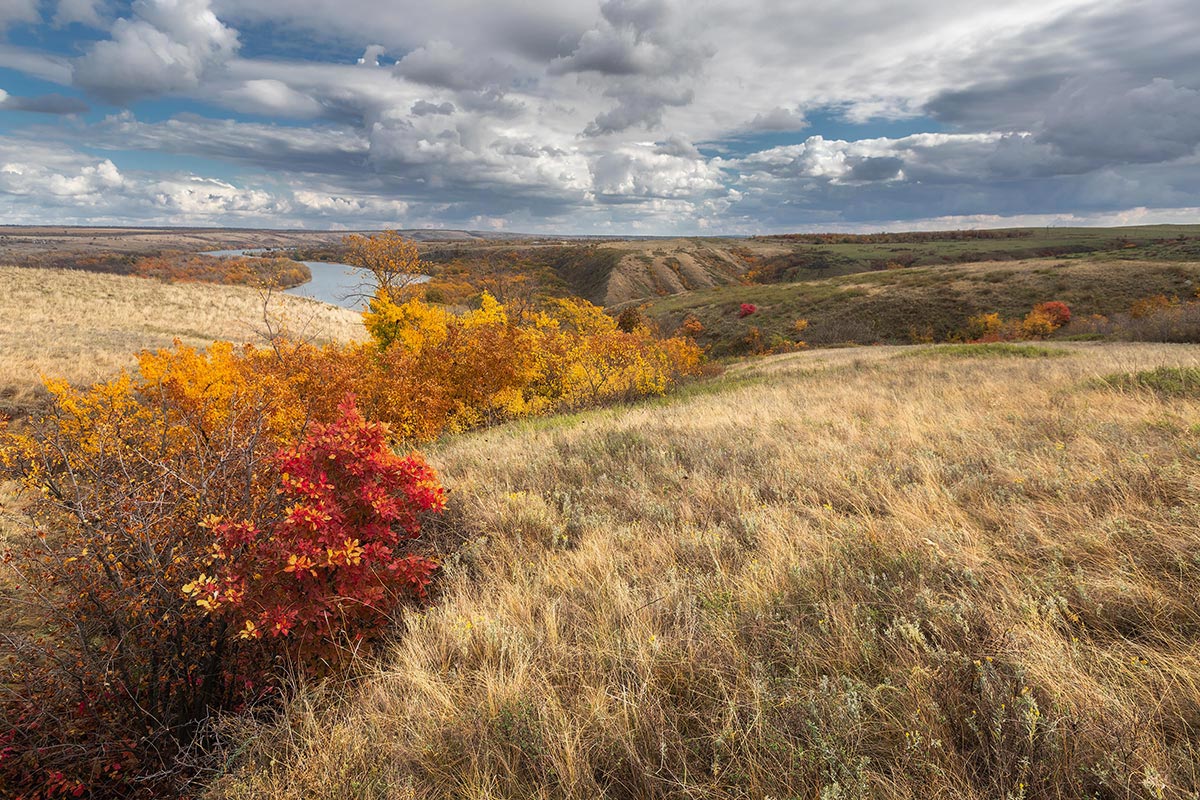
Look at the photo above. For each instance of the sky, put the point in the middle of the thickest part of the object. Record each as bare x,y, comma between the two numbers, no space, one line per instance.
600,116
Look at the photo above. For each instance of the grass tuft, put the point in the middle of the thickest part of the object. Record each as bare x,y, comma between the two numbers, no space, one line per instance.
991,350
1165,381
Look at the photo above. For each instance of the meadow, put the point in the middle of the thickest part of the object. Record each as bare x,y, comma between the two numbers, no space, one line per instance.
85,326
959,571
880,572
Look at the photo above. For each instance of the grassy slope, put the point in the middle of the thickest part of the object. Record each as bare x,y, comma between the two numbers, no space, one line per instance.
893,305
85,326
842,574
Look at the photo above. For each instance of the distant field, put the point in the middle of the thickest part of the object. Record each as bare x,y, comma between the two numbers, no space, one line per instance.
85,326
906,305
614,271
840,574
617,271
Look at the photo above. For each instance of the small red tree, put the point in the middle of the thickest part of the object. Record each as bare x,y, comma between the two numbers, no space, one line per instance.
746,310
333,563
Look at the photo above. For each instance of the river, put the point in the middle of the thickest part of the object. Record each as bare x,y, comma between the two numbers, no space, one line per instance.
337,284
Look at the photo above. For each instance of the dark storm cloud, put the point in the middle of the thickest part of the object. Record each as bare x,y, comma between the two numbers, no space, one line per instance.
45,104
875,169
422,108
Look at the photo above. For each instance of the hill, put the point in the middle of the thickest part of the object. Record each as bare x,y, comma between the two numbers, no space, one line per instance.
919,303
889,572
617,271
85,326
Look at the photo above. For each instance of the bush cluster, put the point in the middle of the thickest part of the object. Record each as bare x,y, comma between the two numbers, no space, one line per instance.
204,527
1042,321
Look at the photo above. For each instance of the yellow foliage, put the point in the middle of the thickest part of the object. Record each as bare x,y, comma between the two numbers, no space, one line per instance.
393,261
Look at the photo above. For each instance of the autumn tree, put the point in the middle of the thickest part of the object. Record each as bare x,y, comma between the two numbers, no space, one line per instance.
393,261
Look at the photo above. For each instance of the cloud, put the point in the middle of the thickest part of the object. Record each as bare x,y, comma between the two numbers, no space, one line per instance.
326,150
371,56
270,96
166,46
670,172
1097,119
18,11
779,119
43,103
441,64
584,114
85,12
637,107
423,108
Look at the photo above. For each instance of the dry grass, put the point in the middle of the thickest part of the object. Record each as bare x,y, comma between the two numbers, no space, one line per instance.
85,326
846,574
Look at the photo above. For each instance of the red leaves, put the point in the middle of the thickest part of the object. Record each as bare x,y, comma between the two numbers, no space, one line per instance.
746,310
334,563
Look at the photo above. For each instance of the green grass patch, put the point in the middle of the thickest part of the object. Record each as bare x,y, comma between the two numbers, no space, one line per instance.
991,350
1165,381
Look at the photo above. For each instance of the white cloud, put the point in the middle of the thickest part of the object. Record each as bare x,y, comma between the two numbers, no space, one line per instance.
583,113
17,11
270,96
86,12
166,46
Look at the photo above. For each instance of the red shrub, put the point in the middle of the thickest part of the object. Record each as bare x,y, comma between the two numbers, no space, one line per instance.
746,310
180,559
333,562
1058,312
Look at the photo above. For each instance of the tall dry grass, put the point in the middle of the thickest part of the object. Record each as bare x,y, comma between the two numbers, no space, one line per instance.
838,574
84,326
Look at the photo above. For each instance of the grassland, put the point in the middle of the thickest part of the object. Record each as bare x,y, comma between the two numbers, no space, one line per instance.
917,303
85,326
835,574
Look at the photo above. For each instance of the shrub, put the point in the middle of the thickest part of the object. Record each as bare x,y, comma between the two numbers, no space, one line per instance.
746,309
1037,325
690,327
1149,306
176,555
982,327
1058,312
630,319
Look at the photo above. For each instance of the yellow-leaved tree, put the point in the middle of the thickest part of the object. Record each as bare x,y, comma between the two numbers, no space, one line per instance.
392,260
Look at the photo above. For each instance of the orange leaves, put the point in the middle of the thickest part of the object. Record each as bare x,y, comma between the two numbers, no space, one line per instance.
244,271
1043,320
483,366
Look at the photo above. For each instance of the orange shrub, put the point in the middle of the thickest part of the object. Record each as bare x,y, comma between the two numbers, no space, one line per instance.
1058,312
1149,306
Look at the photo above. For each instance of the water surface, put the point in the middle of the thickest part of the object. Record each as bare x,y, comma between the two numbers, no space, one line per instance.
337,284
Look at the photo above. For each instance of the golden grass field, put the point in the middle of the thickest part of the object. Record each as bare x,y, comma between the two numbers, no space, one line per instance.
872,572
84,326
